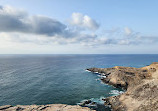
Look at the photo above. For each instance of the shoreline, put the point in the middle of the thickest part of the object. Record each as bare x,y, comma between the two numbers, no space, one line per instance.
140,86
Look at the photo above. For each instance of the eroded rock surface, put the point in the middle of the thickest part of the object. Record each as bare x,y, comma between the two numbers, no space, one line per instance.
50,107
141,86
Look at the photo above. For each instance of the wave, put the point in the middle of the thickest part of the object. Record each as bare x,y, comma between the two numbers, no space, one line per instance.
93,101
116,92
88,71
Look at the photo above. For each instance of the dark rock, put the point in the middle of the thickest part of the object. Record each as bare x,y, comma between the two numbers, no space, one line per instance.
5,107
43,107
19,109
86,102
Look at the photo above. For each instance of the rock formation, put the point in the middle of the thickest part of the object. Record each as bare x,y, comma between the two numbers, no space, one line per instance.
50,107
141,85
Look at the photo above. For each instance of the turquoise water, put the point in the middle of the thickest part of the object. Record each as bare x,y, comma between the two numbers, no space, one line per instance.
50,79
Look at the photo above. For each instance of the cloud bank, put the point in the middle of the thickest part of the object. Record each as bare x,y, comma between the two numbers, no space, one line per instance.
12,20
19,26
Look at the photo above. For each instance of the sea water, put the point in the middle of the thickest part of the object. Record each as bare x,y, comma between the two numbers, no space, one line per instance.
59,79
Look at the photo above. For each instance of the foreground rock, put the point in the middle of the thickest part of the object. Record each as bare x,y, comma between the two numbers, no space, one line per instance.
50,107
88,103
141,86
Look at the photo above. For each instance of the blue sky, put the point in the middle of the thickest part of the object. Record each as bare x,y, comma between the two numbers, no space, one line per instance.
79,26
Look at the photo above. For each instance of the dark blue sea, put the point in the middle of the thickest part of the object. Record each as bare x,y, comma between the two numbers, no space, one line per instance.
51,79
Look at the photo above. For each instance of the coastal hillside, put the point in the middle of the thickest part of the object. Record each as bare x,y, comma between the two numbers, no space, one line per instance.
50,107
140,84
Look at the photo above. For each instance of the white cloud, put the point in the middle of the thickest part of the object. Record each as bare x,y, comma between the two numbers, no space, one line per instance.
83,21
124,42
127,30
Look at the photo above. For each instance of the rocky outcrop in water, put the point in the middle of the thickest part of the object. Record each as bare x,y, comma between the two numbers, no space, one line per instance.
50,107
141,85
87,103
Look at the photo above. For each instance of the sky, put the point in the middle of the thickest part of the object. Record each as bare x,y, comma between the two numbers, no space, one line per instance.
78,27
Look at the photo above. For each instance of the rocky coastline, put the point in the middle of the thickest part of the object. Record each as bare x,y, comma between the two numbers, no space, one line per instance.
50,107
140,84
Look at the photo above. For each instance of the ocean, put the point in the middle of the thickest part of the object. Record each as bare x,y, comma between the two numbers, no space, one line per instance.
60,79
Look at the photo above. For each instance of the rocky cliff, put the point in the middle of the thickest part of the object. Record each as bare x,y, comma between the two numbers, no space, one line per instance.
141,85
50,107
